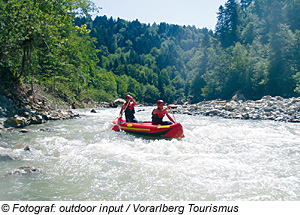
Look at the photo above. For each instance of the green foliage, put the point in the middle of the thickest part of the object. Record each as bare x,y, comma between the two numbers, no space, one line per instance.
27,25
258,54
39,43
297,60
152,94
254,50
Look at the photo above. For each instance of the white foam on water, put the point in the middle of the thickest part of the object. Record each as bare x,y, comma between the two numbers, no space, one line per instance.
219,159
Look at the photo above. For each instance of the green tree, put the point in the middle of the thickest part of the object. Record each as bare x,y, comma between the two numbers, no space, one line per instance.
227,28
259,65
292,9
152,94
29,25
198,83
238,77
281,69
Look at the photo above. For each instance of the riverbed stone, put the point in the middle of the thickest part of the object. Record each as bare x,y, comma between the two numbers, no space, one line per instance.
18,146
245,116
291,112
231,105
24,170
24,131
213,112
267,97
266,108
38,119
195,107
21,146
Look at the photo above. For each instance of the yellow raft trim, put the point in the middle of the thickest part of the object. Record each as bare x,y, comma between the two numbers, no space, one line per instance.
166,126
135,129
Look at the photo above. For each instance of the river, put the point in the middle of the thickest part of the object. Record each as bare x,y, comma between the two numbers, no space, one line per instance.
219,159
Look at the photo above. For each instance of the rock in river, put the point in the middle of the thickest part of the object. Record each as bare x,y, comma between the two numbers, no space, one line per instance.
24,170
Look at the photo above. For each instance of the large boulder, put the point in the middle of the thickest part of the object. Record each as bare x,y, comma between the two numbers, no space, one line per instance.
16,122
119,101
238,97
38,119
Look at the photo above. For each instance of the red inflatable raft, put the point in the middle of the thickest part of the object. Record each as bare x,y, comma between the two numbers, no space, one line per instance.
147,129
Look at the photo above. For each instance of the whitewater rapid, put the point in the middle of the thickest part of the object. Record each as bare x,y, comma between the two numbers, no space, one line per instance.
219,159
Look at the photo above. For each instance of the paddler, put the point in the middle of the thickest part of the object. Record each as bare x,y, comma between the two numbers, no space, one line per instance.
128,106
159,112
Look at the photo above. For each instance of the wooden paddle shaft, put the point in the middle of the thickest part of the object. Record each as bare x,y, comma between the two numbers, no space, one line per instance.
173,114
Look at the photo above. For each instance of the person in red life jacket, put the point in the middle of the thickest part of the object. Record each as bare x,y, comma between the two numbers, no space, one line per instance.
128,106
159,112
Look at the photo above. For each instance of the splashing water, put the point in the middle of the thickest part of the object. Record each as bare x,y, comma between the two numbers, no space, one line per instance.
219,159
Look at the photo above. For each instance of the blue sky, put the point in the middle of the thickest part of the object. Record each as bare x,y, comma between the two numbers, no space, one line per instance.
200,13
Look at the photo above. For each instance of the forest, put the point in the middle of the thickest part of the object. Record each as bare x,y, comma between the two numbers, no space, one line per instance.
254,49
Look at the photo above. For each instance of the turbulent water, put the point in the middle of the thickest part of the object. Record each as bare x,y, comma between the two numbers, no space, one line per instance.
219,159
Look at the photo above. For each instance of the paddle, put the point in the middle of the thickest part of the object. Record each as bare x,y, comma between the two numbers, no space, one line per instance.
173,106
118,119
172,111
116,127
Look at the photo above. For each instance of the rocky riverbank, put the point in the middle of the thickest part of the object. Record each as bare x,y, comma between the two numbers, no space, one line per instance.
22,106
267,108
34,111
37,110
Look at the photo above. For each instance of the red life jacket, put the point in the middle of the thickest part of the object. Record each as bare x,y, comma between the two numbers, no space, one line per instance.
129,111
159,114
130,106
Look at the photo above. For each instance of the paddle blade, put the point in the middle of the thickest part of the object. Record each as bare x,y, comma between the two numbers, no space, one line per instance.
116,128
116,120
